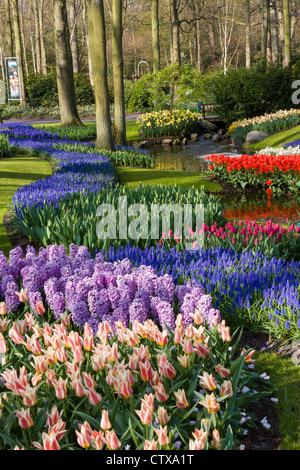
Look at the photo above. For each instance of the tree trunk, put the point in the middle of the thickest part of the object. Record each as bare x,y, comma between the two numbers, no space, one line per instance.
248,33
23,43
118,72
281,28
9,32
64,70
18,46
74,37
155,35
287,33
265,27
38,55
274,32
175,25
42,39
96,23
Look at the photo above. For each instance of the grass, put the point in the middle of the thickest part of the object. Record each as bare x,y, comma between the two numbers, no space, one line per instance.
286,378
278,139
16,172
131,128
134,176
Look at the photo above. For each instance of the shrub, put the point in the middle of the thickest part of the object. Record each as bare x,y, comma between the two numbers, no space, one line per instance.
245,93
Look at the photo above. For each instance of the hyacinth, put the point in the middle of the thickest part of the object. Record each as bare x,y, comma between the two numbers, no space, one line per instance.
94,290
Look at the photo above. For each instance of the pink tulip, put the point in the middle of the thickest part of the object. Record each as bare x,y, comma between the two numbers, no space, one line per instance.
112,440
162,434
85,436
150,445
25,420
181,399
22,295
3,308
208,381
105,423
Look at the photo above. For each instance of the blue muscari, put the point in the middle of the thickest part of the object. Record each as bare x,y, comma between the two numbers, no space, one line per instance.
239,280
75,171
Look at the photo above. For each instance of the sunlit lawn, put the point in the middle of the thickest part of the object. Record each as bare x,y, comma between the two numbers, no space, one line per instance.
278,139
16,172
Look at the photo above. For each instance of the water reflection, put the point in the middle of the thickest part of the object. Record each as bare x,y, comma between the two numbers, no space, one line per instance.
190,157
254,206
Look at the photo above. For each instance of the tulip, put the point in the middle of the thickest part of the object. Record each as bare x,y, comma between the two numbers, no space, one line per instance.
105,422
184,361
160,393
93,396
39,308
150,445
145,415
3,308
29,396
162,434
223,372
54,417
226,389
49,442
25,420
210,403
200,349
88,380
146,371
181,399
3,347
112,440
22,295
99,440
78,387
85,436
162,416
216,439
60,386
208,381
249,356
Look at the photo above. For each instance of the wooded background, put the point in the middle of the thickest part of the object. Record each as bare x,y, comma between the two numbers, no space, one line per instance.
207,34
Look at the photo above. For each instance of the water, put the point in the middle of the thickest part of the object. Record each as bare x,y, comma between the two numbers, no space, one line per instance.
254,206
190,157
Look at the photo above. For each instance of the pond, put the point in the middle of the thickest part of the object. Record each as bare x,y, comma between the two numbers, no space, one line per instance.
254,206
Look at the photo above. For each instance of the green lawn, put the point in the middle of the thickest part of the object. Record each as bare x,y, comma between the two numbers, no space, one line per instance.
134,176
14,173
131,128
278,139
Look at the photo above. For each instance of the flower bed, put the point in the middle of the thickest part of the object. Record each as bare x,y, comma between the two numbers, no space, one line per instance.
73,219
41,142
275,174
110,387
166,123
248,288
281,120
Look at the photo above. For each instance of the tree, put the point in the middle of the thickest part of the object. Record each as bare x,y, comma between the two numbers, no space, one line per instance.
155,35
287,33
175,26
18,45
97,34
64,69
118,72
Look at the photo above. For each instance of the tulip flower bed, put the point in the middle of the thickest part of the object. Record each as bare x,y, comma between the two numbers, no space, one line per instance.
275,174
46,143
249,288
281,120
166,123
114,387
73,219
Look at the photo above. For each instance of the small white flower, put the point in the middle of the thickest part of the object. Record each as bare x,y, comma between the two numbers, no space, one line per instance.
265,423
242,447
275,400
265,376
251,366
245,389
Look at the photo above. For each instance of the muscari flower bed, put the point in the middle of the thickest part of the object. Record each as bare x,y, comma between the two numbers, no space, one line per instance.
72,384
249,288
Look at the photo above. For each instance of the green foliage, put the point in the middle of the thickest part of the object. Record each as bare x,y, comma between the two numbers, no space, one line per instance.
75,219
174,86
5,149
245,93
42,90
